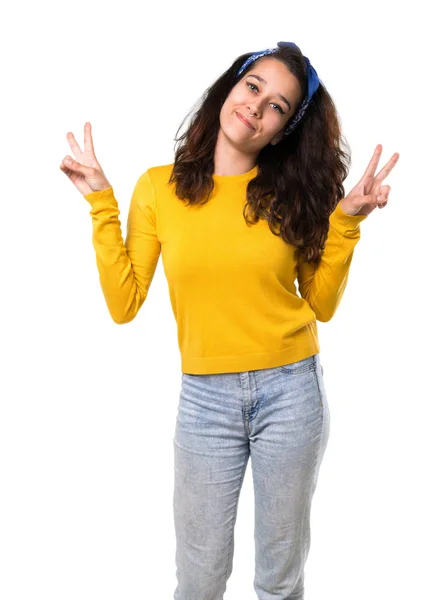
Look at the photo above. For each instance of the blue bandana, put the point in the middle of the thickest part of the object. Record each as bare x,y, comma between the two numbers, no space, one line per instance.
312,77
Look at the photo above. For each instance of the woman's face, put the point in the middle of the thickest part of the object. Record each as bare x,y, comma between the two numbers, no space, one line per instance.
267,95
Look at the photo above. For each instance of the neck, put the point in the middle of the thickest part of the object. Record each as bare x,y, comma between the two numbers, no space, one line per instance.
228,160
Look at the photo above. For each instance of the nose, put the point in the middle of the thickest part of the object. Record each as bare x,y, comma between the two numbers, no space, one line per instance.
254,110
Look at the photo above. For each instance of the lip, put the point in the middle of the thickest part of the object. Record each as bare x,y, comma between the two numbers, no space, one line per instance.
245,121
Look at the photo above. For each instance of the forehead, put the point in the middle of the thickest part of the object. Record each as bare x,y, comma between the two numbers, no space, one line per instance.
276,74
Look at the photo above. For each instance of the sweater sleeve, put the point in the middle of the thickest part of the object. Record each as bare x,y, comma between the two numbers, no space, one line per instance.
323,286
126,269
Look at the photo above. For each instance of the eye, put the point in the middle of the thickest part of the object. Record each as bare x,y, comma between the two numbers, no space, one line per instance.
278,107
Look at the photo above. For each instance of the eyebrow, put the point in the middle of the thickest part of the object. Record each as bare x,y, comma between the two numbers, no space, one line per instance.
264,81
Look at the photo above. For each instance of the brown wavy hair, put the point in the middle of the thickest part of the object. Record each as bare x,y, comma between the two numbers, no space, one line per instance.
299,180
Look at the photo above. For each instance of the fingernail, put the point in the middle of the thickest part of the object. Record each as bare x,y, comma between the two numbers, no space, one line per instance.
67,161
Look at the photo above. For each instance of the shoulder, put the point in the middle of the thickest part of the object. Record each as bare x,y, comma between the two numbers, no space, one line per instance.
159,175
152,185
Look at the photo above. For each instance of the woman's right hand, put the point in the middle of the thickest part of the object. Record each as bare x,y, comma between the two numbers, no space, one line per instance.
85,172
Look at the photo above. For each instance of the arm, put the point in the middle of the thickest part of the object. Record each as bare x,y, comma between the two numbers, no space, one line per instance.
126,269
323,286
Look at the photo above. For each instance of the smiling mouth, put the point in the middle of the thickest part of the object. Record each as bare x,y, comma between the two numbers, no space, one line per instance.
243,120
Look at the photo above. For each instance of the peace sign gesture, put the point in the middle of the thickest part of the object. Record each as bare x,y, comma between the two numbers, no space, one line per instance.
85,172
369,192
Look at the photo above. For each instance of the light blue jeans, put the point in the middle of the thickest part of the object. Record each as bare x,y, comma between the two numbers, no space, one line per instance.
280,418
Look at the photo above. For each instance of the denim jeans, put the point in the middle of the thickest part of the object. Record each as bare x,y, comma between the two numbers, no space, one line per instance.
280,418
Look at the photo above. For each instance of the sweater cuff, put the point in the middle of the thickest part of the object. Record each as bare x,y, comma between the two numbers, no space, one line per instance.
344,223
106,194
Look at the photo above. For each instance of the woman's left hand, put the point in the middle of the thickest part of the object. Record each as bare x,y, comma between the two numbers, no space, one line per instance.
369,192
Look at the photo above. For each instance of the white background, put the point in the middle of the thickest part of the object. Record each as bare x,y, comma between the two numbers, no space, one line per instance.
88,407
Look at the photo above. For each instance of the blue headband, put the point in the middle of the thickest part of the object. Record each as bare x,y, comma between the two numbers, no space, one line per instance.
312,77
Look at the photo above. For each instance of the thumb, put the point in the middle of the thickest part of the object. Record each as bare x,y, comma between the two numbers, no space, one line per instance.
78,167
383,193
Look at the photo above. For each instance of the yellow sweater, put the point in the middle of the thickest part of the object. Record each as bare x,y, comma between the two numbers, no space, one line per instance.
232,286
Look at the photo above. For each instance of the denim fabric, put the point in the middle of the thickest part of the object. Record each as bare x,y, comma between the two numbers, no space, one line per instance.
280,418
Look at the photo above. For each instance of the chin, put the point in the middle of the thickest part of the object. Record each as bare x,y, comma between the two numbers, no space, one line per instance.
233,131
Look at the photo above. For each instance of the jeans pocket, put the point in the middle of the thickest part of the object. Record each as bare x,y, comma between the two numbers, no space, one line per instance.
300,366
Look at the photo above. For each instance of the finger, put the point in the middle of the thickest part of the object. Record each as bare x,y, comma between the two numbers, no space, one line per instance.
68,162
387,168
88,141
74,145
383,197
382,191
77,167
67,171
370,171
66,165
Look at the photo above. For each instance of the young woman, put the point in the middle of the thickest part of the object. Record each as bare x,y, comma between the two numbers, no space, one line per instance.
253,201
